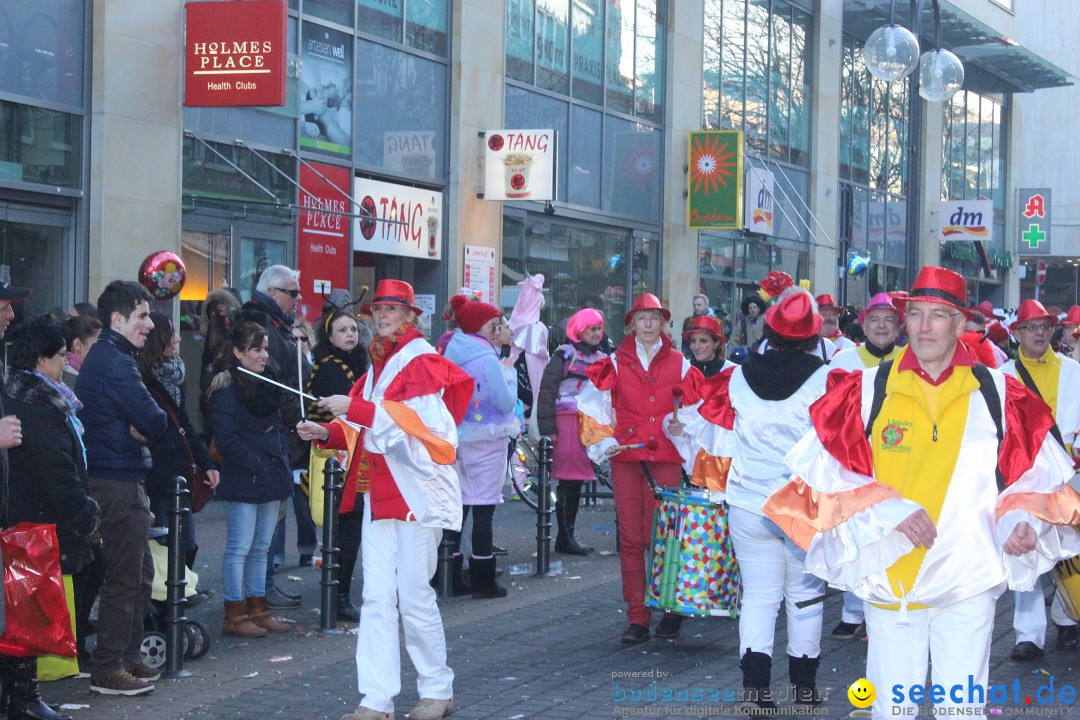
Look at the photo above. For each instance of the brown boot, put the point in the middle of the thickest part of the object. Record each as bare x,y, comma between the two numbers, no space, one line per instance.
237,621
259,612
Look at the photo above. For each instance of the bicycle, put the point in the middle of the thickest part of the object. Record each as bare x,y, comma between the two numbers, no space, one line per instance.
524,470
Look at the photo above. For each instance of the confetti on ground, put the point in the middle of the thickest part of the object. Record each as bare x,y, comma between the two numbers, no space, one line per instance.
251,674
575,577
281,658
516,717
508,678
294,578
74,706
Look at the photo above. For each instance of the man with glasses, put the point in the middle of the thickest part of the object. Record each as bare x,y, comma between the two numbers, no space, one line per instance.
273,305
927,486
1056,380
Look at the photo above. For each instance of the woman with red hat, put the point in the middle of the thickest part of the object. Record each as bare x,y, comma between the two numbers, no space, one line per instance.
556,416
399,425
482,437
622,416
753,415
706,338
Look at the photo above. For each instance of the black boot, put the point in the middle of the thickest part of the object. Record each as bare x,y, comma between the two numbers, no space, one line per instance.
566,513
482,574
458,585
26,702
189,558
803,672
757,676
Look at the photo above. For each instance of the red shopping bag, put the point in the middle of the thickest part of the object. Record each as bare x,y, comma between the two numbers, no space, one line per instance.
38,621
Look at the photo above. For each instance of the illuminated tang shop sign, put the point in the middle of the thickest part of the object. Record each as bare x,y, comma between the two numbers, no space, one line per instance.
236,53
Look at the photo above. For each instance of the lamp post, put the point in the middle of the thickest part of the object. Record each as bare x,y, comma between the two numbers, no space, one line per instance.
892,53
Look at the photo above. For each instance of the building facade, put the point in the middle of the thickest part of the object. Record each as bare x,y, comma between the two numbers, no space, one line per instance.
103,164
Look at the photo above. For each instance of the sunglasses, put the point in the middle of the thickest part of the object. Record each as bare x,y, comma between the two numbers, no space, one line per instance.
294,293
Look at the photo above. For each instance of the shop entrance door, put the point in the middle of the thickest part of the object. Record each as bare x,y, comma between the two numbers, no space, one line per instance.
35,242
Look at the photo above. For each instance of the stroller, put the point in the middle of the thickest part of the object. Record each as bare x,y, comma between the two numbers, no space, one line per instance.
196,638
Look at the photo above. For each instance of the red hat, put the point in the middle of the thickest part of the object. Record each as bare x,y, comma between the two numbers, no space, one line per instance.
987,311
1032,310
775,283
646,301
938,285
393,292
793,318
997,333
705,324
826,301
472,314
1073,316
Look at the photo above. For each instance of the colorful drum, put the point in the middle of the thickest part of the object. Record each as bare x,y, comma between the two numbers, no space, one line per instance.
1066,574
692,568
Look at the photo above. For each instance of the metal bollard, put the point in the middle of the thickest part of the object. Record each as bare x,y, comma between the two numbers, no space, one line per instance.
176,582
543,508
445,586
332,487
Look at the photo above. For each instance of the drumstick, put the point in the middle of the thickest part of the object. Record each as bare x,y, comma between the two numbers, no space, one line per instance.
651,445
300,377
677,392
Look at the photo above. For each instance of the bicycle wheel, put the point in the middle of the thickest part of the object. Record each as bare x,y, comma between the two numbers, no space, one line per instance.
524,472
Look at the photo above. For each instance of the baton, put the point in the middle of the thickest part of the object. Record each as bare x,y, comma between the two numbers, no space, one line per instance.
300,376
677,393
280,385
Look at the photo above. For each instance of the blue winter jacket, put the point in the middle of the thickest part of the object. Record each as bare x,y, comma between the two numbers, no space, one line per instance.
115,400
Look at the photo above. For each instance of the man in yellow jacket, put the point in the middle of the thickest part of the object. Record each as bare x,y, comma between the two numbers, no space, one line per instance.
956,492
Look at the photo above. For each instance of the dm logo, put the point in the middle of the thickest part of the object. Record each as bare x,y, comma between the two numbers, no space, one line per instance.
892,435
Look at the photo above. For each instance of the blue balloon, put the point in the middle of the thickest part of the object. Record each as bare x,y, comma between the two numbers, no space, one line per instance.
857,264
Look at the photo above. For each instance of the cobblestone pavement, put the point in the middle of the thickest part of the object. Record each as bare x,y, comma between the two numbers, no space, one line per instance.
549,650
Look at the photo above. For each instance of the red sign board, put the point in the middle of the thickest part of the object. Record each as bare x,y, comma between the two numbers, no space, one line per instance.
324,248
236,53
1040,272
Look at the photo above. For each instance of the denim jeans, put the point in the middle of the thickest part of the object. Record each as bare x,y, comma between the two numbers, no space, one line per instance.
249,529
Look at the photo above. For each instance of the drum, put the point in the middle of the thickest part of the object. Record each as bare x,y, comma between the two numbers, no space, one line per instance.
692,568
1066,574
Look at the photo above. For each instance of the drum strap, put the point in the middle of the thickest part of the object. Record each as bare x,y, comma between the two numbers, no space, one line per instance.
648,476
986,387
1025,377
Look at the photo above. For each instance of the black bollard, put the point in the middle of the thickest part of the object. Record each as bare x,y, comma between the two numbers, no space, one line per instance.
332,487
543,508
176,582
445,586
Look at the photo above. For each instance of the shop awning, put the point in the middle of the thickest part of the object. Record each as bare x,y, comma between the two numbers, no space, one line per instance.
992,63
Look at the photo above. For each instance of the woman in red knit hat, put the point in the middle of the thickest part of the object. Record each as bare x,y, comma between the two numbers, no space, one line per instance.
628,403
482,434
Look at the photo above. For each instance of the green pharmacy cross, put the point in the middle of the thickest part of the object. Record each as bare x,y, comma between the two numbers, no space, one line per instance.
1033,236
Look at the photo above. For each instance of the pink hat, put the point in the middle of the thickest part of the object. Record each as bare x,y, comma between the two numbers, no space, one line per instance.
881,301
584,318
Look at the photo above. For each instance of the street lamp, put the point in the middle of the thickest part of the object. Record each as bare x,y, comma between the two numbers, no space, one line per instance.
892,52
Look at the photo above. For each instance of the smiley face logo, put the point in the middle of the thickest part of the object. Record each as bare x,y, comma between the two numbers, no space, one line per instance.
862,693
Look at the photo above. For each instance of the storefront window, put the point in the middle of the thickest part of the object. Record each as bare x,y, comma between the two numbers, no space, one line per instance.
587,20
526,109
583,174
381,18
208,176
401,112
425,22
40,146
973,150
35,252
335,11
41,50
553,45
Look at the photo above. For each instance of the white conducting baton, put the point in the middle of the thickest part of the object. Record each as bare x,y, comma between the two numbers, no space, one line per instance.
296,392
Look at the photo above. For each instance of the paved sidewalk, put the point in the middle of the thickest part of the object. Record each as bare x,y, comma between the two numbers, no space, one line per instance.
549,650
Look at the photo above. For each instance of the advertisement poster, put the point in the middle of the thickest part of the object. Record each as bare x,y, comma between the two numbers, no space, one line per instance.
715,176
966,220
635,185
399,220
326,91
323,255
519,165
759,207
427,304
480,270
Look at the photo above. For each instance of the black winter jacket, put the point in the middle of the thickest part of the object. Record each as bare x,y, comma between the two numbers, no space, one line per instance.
114,400
169,456
48,475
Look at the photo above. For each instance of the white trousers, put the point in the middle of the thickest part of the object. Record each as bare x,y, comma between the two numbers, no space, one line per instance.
956,639
772,572
1029,614
398,561
853,609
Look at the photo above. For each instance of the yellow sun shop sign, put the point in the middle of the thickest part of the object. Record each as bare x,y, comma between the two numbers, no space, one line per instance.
714,179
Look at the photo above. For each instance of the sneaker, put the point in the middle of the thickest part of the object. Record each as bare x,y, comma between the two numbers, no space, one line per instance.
363,713
635,635
670,627
305,561
142,671
120,682
429,709
277,600
1066,637
847,631
1025,651
498,551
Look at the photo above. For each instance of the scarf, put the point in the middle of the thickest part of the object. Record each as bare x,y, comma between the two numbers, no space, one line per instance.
778,374
170,373
709,368
74,406
381,346
878,352
584,348
75,362
261,399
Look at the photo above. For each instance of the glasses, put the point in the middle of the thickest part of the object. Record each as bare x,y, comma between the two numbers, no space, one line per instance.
300,338
294,293
1035,327
937,317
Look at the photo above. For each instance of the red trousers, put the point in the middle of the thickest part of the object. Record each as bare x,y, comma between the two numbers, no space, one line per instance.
635,504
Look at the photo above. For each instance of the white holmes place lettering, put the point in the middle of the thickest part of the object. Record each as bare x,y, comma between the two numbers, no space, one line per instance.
234,56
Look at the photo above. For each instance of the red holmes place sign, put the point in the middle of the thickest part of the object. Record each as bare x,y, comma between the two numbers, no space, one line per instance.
236,53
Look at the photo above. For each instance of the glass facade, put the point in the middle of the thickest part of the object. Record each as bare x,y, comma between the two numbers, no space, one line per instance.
593,70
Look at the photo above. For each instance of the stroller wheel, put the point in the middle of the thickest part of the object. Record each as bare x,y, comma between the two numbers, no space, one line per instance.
153,649
197,639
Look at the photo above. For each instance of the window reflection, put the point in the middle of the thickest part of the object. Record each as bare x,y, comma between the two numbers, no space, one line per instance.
972,151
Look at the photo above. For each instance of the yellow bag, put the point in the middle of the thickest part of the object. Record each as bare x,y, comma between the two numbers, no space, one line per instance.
55,667
158,590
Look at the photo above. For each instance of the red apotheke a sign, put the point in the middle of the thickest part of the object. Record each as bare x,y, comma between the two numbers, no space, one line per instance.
324,250
236,53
